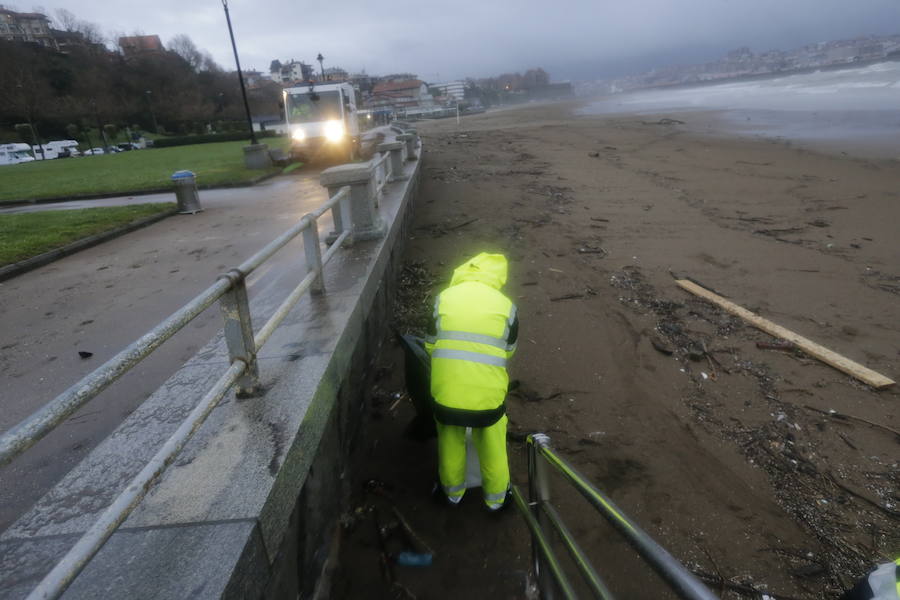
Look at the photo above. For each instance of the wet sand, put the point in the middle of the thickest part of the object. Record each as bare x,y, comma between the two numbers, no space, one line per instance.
719,449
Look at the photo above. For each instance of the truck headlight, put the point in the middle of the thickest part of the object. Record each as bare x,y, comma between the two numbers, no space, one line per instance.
334,131
298,134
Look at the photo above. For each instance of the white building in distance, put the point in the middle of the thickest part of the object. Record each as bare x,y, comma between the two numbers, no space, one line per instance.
452,89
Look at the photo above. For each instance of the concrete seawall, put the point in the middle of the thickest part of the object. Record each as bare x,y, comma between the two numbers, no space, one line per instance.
249,507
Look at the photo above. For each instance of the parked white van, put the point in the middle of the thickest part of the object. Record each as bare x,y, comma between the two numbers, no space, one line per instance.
55,149
11,154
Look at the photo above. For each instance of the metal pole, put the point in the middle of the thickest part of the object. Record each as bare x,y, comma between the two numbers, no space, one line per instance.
539,493
598,587
45,419
531,454
542,546
682,581
237,61
320,58
457,113
313,254
64,573
239,331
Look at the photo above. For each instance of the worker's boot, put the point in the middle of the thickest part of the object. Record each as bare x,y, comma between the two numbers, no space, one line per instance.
507,501
440,497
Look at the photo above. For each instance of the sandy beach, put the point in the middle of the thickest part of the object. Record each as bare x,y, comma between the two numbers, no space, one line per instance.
721,450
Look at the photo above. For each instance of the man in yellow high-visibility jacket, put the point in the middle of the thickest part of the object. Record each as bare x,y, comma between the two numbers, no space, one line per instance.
473,334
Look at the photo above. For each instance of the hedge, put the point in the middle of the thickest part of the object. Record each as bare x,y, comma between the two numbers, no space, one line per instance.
207,138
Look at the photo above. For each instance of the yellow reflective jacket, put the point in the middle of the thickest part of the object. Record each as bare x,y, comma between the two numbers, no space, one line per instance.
473,333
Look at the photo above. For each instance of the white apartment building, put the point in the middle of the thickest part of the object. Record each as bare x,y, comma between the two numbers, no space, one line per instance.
453,89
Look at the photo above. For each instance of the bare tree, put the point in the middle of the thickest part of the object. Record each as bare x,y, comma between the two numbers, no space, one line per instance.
184,46
209,63
67,20
23,89
91,32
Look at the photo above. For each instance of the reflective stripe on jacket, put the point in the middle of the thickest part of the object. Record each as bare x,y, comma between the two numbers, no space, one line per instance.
881,584
474,335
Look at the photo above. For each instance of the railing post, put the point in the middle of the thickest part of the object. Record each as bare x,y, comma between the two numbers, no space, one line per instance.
313,252
396,150
410,140
239,332
386,166
379,177
357,212
539,493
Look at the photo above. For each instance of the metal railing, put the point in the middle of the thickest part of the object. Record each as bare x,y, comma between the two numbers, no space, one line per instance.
540,515
231,290
383,171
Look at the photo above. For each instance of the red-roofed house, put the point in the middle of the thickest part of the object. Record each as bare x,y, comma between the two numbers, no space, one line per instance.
409,93
140,44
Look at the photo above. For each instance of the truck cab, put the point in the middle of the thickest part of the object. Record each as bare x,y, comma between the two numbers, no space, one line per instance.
12,154
322,120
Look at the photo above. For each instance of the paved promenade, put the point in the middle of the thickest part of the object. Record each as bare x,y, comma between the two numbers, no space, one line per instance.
101,299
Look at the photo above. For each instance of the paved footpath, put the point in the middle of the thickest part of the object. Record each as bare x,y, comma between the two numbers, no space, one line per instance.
103,298
207,195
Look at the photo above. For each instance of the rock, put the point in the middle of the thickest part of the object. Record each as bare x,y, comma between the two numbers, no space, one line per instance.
661,345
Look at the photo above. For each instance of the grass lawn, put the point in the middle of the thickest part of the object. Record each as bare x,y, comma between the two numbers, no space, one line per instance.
24,235
219,163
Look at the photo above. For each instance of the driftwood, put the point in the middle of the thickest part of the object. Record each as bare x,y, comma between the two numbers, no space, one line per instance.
740,588
829,357
844,417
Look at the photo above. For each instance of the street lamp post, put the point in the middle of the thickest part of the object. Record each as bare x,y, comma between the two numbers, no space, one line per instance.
321,58
237,61
149,95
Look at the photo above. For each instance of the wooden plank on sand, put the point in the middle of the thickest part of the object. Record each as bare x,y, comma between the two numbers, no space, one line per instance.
842,363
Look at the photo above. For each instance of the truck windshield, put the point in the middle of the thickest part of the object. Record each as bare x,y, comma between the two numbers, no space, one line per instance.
301,108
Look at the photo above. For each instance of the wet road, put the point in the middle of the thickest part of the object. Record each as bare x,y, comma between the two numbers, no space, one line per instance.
101,299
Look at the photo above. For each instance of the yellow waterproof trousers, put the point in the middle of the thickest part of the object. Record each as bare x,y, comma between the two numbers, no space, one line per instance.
490,443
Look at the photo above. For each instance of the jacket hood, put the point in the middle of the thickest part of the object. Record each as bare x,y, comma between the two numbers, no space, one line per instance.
489,269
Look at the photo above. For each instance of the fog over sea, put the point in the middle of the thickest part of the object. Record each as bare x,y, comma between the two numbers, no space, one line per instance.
855,110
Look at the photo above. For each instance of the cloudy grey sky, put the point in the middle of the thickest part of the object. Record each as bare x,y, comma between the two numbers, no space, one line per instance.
571,39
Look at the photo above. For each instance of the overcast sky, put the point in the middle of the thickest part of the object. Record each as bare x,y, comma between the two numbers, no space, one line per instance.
578,39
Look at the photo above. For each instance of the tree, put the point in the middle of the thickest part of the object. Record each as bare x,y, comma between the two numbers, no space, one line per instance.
111,130
184,46
209,64
23,88
275,66
69,22
26,133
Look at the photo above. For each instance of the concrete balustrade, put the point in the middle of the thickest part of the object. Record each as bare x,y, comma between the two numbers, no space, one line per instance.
363,219
411,140
397,151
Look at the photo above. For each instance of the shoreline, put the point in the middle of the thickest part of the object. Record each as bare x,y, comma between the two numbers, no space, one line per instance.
765,76
849,111
716,124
